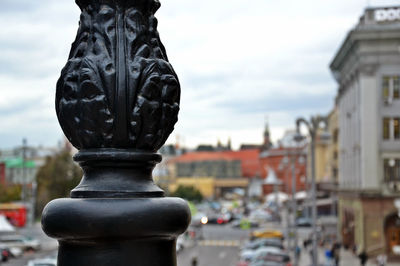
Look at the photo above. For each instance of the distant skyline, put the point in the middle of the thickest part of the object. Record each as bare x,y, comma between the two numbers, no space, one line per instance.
238,62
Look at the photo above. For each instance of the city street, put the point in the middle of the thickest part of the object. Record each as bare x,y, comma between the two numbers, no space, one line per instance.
48,246
220,247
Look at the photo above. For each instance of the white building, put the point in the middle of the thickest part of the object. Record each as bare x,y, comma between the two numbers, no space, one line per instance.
367,69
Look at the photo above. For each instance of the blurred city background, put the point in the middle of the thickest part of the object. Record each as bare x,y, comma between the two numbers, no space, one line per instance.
288,143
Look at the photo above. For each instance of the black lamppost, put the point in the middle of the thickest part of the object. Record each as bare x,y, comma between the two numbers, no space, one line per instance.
117,101
313,126
294,155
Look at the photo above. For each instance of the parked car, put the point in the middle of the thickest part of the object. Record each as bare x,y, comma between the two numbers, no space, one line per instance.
180,244
18,241
266,233
261,216
245,258
249,254
269,255
5,254
264,242
303,222
270,263
43,262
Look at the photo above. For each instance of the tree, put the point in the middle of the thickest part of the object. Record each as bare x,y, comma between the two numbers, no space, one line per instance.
10,193
56,178
189,193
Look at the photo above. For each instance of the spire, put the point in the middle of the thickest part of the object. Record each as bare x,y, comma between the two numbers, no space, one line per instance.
219,144
267,142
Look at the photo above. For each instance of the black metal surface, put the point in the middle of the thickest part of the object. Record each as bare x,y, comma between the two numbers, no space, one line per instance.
118,89
117,101
116,173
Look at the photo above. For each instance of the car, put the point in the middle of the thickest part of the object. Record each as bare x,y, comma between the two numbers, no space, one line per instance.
266,233
43,262
268,254
5,254
218,218
245,258
199,219
180,244
13,251
249,255
264,242
244,224
18,241
303,222
269,263
260,216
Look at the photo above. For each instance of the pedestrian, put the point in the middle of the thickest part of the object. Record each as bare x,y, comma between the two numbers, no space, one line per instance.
307,242
363,258
194,261
311,254
381,259
328,258
297,253
336,252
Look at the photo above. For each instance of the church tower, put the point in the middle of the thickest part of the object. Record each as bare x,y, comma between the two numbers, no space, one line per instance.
267,142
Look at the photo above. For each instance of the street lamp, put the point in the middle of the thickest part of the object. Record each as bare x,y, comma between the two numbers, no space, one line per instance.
313,126
283,166
117,101
275,182
294,155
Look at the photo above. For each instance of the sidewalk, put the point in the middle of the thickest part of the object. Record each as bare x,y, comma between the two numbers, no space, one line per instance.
347,258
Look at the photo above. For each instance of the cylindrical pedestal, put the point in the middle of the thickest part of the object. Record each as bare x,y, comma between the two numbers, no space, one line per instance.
103,232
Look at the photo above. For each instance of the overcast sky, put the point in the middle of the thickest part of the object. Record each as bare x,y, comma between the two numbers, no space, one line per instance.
238,61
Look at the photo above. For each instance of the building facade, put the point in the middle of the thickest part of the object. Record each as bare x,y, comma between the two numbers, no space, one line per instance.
218,172
367,69
280,160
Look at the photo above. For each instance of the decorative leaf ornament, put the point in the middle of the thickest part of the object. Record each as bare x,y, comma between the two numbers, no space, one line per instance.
118,89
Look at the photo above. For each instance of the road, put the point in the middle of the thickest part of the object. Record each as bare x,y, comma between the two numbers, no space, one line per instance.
49,246
219,247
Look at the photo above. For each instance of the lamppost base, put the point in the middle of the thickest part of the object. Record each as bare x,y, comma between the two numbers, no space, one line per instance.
118,232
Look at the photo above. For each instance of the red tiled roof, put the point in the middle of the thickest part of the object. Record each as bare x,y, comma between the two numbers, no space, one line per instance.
202,156
249,159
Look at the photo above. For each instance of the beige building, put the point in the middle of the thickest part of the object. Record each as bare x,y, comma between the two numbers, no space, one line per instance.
208,186
332,150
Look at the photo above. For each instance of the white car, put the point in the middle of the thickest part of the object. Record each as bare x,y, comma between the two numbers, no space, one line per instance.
251,254
21,242
43,262
180,244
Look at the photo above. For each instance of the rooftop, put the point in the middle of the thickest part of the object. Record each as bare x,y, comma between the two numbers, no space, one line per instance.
249,159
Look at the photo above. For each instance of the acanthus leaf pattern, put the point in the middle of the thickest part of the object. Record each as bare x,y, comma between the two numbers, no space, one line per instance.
86,99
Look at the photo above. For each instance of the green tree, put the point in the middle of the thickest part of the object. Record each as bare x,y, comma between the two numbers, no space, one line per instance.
56,178
189,193
10,193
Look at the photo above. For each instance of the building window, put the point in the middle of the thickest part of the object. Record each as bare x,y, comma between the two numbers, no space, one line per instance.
396,129
385,87
396,87
390,88
386,128
391,169
391,128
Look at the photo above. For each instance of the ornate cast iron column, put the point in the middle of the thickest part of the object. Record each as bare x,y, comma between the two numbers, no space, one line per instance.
117,101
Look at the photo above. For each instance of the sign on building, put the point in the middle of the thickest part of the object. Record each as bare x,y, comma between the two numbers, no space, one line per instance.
390,14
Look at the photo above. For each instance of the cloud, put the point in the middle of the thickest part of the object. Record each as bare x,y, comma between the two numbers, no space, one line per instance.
237,62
